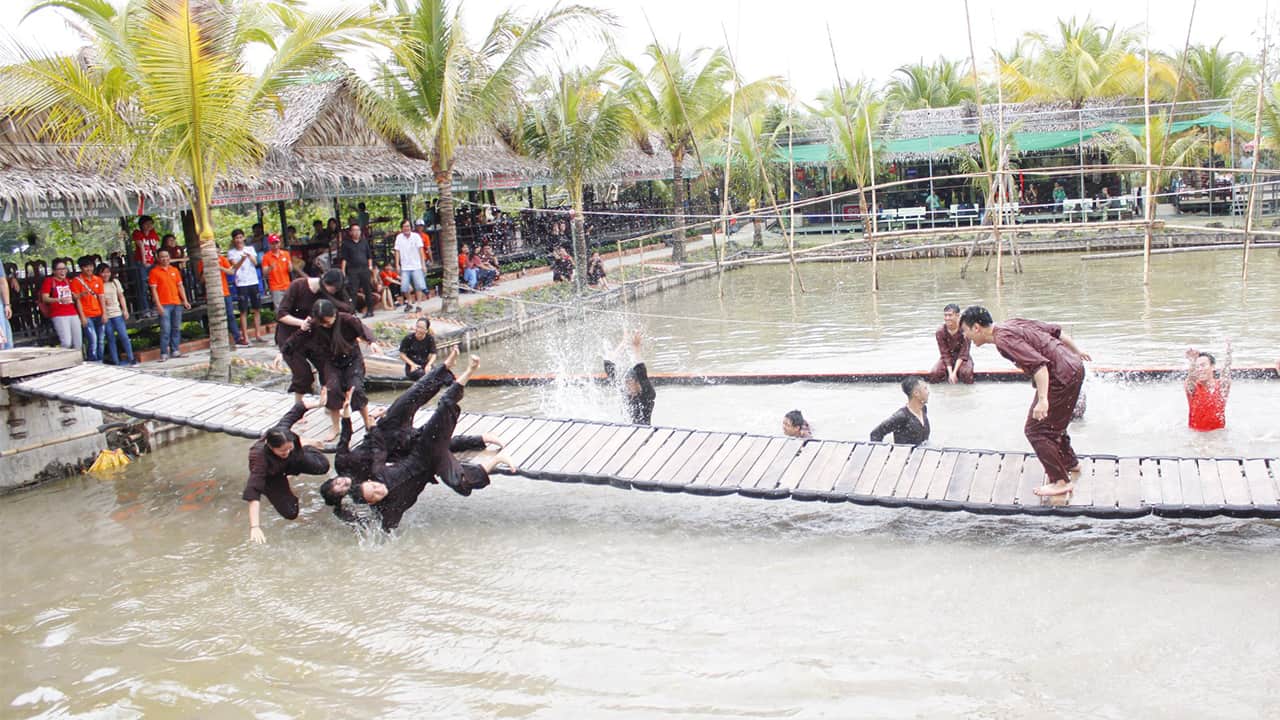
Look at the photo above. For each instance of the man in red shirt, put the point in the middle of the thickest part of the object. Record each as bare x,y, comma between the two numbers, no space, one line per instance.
1056,366
277,265
57,295
88,289
170,298
954,363
1206,394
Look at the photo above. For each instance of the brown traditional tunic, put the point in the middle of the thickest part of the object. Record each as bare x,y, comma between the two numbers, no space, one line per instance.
1031,345
950,348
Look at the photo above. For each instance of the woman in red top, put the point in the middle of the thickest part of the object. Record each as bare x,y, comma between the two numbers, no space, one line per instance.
1207,395
57,295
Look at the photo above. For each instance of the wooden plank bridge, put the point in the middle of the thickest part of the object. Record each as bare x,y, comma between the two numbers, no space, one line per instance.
728,463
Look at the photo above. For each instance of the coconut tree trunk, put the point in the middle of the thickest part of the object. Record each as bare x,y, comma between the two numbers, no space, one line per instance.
215,307
757,228
579,237
448,243
677,194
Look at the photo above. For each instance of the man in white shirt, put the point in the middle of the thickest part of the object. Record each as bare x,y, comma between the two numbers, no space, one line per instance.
411,259
244,263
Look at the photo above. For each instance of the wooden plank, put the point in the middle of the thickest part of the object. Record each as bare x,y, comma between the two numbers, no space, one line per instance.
119,388
747,455
1082,494
260,415
531,442
825,469
231,399
852,469
697,460
520,432
799,467
719,466
589,450
465,423
509,428
606,450
660,458
890,474
539,444
961,482
23,362
1105,482
575,439
767,478
1149,487
1032,477
942,475
1210,483
871,471
984,478
62,377
1262,488
1170,482
1235,491
677,458
1005,491
163,391
1192,490
1130,484
612,466
645,453
918,487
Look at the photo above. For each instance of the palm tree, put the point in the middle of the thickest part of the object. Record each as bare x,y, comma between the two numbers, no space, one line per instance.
577,127
444,92
849,112
1214,74
685,99
944,83
989,157
1084,60
754,155
1130,148
166,89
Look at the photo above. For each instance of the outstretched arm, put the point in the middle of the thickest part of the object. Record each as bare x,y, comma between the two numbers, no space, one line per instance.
1066,340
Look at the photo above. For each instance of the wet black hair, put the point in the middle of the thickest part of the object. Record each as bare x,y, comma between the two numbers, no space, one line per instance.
276,437
323,309
975,315
426,321
333,277
909,385
1212,360
951,307
331,497
796,418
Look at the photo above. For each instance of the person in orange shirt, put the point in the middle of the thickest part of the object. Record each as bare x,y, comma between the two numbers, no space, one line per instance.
232,325
277,265
87,289
170,298
1207,395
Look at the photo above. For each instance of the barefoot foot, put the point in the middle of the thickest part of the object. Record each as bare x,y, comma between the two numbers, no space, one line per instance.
1062,487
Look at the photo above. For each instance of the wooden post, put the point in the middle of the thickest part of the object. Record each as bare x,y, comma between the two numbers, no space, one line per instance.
1257,150
791,197
1148,205
404,209
284,219
337,211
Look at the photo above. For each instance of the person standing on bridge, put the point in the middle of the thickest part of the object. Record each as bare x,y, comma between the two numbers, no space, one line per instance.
333,339
954,363
279,454
294,313
1207,394
1056,367
910,424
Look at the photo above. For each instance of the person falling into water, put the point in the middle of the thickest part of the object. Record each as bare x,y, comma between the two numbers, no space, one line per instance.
1056,367
910,424
954,363
279,454
637,392
1206,394
794,425
430,456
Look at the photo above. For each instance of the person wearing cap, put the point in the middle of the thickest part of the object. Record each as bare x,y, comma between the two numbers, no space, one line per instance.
411,258
430,456
277,265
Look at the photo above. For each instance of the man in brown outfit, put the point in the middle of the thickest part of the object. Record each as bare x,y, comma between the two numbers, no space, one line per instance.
1056,366
954,364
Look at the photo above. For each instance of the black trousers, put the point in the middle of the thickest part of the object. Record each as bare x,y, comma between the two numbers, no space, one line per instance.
362,279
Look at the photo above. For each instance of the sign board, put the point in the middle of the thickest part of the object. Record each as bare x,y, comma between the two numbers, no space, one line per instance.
63,209
849,212
223,198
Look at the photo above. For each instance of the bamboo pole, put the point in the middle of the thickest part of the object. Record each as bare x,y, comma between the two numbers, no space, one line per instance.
728,170
977,103
1257,149
1148,203
791,183
867,230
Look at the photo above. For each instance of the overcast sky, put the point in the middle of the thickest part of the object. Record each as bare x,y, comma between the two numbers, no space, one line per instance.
790,38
